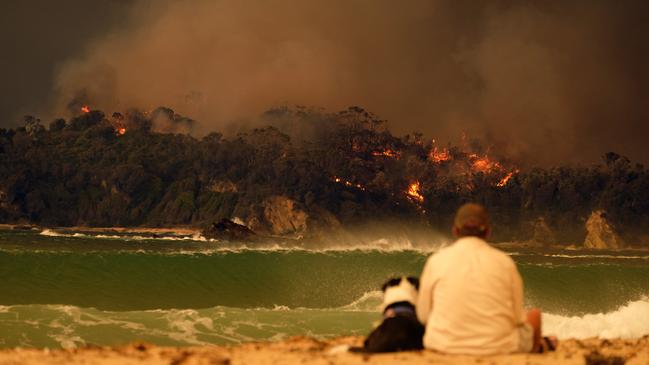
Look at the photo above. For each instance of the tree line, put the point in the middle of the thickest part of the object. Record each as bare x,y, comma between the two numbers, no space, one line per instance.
98,170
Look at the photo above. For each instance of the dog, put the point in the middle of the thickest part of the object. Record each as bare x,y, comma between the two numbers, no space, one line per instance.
400,329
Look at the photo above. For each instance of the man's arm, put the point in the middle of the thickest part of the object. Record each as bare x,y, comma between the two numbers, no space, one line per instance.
425,296
517,296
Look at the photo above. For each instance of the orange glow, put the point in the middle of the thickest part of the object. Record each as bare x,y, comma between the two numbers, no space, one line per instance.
85,109
387,153
121,131
414,192
506,179
483,164
437,156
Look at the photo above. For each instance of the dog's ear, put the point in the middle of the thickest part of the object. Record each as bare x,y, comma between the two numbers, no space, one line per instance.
414,281
391,282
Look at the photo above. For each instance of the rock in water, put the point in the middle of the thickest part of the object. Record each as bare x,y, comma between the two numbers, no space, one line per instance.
228,230
600,234
283,217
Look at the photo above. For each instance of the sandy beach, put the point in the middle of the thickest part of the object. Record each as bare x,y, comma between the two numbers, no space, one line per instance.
302,350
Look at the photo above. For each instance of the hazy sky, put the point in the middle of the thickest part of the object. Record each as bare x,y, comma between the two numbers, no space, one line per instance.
547,82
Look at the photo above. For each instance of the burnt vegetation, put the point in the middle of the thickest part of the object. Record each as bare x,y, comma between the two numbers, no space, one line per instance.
97,170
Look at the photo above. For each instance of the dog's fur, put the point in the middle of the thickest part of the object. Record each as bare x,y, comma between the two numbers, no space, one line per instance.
400,329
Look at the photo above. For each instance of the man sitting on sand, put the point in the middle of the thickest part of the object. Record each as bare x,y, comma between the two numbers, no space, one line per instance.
471,296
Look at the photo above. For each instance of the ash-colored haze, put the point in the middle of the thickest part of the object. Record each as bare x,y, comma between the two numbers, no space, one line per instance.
544,83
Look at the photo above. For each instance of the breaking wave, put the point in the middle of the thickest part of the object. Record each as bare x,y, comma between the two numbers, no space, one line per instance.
628,321
66,289
69,326
128,237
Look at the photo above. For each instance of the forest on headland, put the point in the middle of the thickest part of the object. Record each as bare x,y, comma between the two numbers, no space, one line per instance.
308,171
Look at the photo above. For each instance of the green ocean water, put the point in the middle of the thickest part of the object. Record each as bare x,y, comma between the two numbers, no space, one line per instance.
78,289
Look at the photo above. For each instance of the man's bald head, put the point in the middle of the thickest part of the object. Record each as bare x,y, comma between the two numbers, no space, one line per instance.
471,220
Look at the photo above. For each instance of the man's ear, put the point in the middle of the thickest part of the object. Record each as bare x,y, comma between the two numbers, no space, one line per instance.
456,232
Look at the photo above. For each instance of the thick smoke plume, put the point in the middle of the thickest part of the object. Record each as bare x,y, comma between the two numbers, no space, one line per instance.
544,82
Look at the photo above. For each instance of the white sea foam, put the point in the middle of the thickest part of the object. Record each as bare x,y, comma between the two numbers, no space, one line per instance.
51,233
628,321
382,244
282,308
369,301
185,325
64,335
598,256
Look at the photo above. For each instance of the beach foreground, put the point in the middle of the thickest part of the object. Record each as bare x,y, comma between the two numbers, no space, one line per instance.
302,350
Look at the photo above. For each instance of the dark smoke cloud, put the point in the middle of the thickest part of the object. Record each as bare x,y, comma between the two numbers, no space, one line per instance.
545,82
35,37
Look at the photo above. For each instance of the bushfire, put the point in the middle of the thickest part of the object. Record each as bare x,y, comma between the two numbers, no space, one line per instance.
414,192
506,179
437,156
339,180
387,153
483,164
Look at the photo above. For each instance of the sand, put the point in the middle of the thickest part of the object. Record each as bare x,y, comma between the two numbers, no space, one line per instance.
302,350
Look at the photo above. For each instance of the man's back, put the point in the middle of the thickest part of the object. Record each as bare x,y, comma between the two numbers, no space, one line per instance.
471,299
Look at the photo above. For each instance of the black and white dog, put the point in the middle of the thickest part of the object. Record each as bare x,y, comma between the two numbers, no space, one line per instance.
400,329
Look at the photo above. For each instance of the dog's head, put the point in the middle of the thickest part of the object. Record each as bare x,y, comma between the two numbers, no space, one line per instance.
399,290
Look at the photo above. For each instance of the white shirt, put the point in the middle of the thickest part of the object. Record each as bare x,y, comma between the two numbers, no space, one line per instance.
471,300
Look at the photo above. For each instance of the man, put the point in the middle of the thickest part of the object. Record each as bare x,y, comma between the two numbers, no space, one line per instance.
471,296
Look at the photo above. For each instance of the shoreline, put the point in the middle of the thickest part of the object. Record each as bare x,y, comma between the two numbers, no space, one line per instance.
305,350
191,231
151,230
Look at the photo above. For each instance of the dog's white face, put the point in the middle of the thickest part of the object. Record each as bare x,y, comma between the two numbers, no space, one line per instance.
400,290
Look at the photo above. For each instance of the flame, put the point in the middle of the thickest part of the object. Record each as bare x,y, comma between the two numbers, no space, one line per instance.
387,153
121,131
483,164
348,183
414,192
437,156
506,179
85,109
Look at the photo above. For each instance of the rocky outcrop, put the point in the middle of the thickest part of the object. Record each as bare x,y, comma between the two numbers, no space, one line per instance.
542,234
283,217
229,231
600,234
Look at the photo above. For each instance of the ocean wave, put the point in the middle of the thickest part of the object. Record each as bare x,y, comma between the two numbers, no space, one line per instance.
213,246
597,256
369,301
51,233
176,237
70,326
628,321
380,245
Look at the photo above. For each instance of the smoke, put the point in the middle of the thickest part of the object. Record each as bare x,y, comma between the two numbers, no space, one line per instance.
544,83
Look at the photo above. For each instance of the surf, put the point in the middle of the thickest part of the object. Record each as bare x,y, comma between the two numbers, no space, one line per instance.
70,290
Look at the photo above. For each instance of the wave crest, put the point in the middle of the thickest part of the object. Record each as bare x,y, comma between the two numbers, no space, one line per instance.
628,321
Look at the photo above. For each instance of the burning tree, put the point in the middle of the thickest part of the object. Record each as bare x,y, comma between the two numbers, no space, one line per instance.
122,170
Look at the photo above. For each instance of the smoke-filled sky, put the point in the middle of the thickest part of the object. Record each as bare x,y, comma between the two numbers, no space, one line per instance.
547,82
